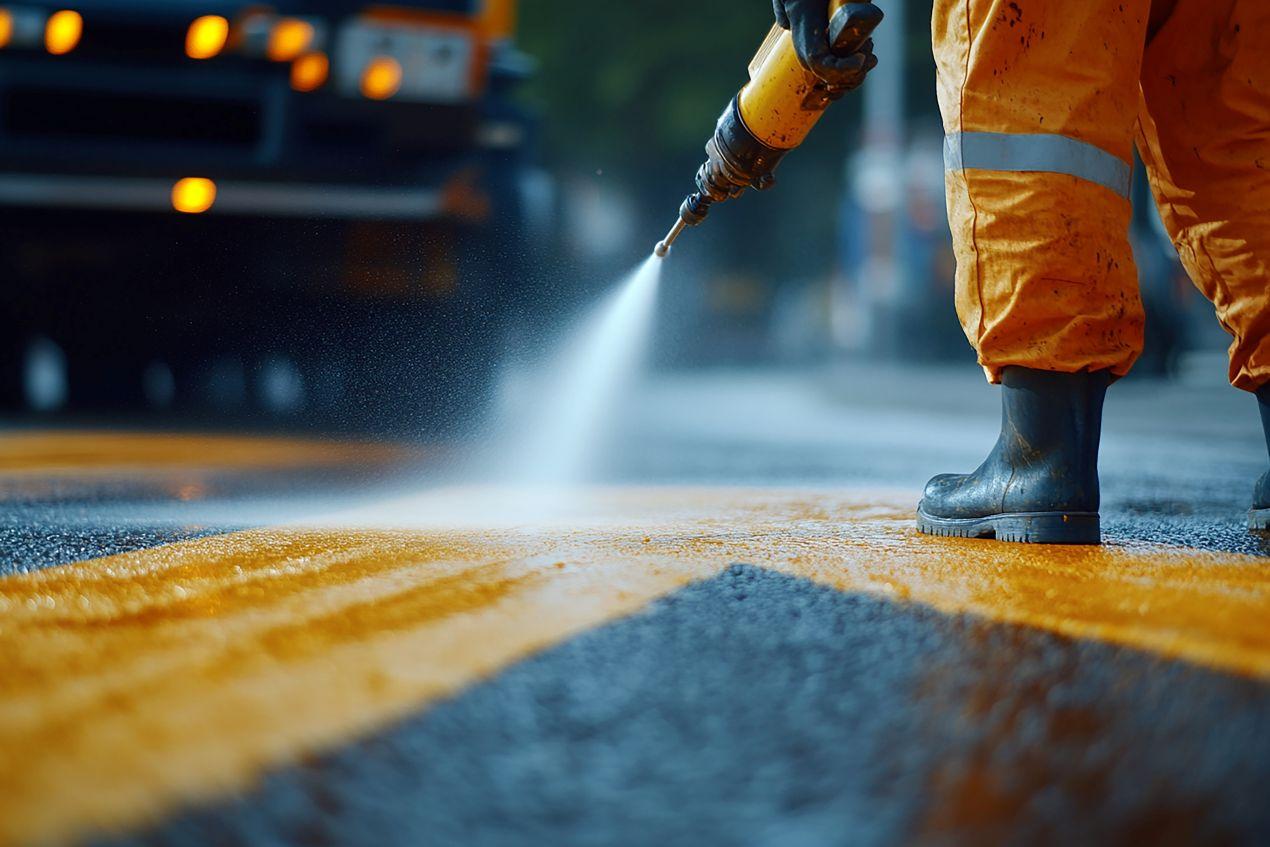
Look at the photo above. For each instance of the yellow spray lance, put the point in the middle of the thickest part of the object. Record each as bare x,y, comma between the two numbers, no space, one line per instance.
771,115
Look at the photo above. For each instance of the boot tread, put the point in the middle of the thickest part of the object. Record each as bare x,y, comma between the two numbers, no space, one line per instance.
1020,527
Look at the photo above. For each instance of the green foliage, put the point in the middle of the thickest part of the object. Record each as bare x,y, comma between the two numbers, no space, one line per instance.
641,80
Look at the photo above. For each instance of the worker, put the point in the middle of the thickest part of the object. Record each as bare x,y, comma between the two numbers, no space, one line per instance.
1042,103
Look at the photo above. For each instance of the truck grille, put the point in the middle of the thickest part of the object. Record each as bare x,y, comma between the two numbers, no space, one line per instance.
130,41
51,112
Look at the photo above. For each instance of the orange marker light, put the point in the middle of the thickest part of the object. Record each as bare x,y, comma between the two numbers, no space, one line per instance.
288,39
6,27
309,71
206,37
62,31
382,78
193,194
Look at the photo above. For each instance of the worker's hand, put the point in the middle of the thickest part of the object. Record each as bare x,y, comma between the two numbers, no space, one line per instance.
808,22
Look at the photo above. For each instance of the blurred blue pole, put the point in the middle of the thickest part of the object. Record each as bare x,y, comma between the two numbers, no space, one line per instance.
869,293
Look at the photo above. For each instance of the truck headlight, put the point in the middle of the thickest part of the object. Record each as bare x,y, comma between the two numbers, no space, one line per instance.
289,38
193,194
309,71
206,37
427,61
381,78
62,31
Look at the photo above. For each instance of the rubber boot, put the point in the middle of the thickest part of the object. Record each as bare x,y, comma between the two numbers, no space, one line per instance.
1040,483
1259,514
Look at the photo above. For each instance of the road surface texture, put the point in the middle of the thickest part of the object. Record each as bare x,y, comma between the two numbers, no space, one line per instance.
738,638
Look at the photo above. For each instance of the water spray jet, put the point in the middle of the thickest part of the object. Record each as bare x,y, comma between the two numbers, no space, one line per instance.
561,438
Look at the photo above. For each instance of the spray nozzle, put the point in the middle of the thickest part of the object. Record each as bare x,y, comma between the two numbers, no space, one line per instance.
663,246
692,212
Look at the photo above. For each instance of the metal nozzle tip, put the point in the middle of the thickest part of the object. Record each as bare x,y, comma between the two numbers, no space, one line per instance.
663,246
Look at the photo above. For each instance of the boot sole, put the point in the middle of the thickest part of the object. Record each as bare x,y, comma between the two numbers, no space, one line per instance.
1259,520
1022,527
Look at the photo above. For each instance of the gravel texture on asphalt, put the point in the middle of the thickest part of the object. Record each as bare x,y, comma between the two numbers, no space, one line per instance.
27,547
757,708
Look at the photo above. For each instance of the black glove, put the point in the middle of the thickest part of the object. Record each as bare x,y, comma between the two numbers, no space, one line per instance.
808,22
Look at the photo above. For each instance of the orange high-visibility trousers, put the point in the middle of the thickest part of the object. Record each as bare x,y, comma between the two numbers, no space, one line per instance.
1042,102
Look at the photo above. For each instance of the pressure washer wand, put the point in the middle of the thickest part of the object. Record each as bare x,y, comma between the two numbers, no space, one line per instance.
692,211
663,246
771,115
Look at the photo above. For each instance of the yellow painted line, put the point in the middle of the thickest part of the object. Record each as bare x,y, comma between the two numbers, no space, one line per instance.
1204,607
135,682
138,682
62,452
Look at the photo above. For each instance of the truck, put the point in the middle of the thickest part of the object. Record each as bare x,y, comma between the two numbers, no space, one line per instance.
309,210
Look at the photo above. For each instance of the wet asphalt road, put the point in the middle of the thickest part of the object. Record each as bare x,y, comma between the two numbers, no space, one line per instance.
1178,462
755,707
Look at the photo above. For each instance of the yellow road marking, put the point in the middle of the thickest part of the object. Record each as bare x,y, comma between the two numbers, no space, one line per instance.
95,452
137,682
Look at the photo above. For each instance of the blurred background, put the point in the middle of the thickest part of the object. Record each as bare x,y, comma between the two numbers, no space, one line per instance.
321,214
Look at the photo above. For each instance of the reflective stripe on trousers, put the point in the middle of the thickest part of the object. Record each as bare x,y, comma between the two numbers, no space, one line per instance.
1036,152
